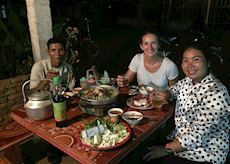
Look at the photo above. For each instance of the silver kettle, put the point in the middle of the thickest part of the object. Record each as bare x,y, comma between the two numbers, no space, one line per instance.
39,104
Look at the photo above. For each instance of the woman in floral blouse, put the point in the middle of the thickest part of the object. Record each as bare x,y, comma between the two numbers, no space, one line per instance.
201,133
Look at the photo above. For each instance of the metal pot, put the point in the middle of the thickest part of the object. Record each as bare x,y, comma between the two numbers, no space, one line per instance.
104,101
39,106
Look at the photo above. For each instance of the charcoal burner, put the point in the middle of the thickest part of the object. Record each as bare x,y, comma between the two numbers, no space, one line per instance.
96,110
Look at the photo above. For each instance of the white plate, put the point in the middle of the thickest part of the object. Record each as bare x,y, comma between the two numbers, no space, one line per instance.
130,103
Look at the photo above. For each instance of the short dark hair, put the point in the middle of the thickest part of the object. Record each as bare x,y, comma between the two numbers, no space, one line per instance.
203,47
209,53
213,59
56,39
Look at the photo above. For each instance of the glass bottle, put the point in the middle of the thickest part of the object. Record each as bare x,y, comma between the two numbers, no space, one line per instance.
59,103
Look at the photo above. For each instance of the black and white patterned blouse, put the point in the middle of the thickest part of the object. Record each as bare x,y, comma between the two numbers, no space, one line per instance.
201,118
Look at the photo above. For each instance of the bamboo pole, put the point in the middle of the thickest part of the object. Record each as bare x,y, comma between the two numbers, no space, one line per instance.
207,13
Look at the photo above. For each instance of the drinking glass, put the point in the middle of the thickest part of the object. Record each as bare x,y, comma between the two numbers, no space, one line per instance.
113,81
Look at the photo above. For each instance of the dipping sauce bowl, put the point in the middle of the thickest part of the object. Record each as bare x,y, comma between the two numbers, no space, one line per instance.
115,114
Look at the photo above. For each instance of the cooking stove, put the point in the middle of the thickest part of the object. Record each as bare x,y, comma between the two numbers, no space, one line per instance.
96,110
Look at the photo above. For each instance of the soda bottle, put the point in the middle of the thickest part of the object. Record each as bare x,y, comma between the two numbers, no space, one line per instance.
59,103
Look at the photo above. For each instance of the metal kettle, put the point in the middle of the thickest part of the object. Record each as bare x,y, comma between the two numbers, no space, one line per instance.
39,104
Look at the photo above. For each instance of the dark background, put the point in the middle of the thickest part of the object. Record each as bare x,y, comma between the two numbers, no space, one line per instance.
115,25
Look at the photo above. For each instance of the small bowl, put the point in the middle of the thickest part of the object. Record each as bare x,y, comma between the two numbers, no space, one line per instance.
133,90
143,90
132,117
149,89
114,114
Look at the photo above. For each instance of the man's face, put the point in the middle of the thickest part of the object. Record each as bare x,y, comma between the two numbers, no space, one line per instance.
56,52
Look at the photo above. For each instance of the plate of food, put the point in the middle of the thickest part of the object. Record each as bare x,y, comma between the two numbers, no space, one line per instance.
73,92
101,134
140,102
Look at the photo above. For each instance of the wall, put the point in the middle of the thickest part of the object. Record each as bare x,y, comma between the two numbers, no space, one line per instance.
11,96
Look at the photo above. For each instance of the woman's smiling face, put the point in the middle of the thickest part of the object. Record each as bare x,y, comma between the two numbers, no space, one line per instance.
149,44
194,65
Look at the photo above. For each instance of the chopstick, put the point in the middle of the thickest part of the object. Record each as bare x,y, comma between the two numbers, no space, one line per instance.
135,115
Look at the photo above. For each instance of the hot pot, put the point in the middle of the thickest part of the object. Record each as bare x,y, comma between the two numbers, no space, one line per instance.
97,99
98,94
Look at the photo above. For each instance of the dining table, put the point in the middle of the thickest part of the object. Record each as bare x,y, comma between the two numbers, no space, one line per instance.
73,146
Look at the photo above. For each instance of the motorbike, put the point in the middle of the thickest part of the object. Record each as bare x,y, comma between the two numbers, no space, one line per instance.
172,47
173,44
81,50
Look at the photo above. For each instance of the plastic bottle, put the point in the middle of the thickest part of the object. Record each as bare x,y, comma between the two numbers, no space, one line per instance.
59,103
106,77
83,82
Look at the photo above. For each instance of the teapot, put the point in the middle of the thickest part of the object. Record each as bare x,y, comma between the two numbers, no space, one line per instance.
39,104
